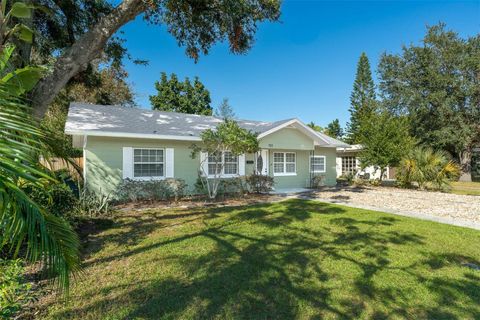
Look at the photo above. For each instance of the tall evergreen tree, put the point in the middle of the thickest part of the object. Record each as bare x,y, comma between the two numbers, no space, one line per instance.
225,110
362,99
174,95
334,129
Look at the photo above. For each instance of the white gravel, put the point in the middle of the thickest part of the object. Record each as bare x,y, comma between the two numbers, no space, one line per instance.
463,210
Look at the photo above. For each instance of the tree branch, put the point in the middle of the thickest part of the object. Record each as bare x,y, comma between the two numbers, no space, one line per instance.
84,50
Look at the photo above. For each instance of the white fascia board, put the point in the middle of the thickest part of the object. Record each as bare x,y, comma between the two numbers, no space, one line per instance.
132,135
275,129
306,129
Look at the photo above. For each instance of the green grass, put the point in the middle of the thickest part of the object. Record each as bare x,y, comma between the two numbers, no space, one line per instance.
469,188
293,259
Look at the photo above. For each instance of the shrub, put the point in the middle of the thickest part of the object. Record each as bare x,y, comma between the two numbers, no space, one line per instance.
348,177
235,186
176,188
428,169
259,183
358,182
318,181
57,198
133,190
92,204
13,291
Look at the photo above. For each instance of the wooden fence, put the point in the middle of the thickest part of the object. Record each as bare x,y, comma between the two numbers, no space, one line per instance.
55,164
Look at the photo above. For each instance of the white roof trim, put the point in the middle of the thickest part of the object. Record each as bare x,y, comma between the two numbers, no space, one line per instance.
307,130
131,135
275,129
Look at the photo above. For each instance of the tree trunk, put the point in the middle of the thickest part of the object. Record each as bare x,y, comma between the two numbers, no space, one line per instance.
382,172
82,52
465,158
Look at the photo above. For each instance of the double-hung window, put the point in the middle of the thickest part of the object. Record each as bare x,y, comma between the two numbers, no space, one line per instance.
284,163
148,163
317,164
222,164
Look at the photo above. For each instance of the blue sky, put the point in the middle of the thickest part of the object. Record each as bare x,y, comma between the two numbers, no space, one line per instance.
302,66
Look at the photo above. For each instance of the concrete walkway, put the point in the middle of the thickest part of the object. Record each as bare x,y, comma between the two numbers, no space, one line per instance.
456,221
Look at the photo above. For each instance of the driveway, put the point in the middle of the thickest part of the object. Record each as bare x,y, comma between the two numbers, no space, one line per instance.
462,210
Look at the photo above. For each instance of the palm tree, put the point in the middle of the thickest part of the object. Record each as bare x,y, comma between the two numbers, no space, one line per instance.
427,167
23,223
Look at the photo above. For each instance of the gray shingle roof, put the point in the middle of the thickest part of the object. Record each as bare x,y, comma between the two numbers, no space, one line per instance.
90,118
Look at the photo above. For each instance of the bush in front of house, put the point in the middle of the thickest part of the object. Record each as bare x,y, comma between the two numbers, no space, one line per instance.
347,178
233,187
56,197
92,204
318,181
227,187
259,183
14,292
427,169
153,190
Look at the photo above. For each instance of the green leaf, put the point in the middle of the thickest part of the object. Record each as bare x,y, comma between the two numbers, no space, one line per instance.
24,33
5,56
24,79
20,10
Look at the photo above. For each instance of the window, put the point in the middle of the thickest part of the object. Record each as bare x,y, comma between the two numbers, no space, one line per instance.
284,163
148,163
227,160
317,164
349,165
231,163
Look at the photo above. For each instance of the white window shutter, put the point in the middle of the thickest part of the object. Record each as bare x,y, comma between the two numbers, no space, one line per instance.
204,163
241,165
169,162
127,170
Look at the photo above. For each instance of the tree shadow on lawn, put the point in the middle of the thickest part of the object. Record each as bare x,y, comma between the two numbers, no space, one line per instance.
285,267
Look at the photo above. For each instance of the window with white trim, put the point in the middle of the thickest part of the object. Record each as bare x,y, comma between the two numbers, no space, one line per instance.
284,163
148,163
224,163
317,164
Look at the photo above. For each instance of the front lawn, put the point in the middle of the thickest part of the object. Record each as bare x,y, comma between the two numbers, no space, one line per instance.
292,259
470,188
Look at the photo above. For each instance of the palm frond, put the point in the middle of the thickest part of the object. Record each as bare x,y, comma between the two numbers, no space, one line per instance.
47,238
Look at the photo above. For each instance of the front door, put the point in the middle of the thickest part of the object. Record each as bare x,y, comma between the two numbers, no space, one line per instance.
261,162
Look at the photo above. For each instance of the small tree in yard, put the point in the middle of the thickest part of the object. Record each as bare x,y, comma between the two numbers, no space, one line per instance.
385,141
227,137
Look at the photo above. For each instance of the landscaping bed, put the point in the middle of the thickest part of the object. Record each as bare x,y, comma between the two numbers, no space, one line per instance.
453,206
283,260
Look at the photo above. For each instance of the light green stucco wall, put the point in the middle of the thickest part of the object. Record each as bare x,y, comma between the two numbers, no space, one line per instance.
302,178
104,160
287,138
331,169
297,181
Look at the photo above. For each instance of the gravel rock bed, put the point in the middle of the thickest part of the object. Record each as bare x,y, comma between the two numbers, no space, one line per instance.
446,205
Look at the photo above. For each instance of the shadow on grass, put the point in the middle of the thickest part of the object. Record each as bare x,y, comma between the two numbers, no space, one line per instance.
275,272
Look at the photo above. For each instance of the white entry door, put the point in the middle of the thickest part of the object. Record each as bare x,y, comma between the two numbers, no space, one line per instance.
261,162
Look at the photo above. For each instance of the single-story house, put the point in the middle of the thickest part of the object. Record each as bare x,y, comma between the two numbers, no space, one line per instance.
140,144
348,162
